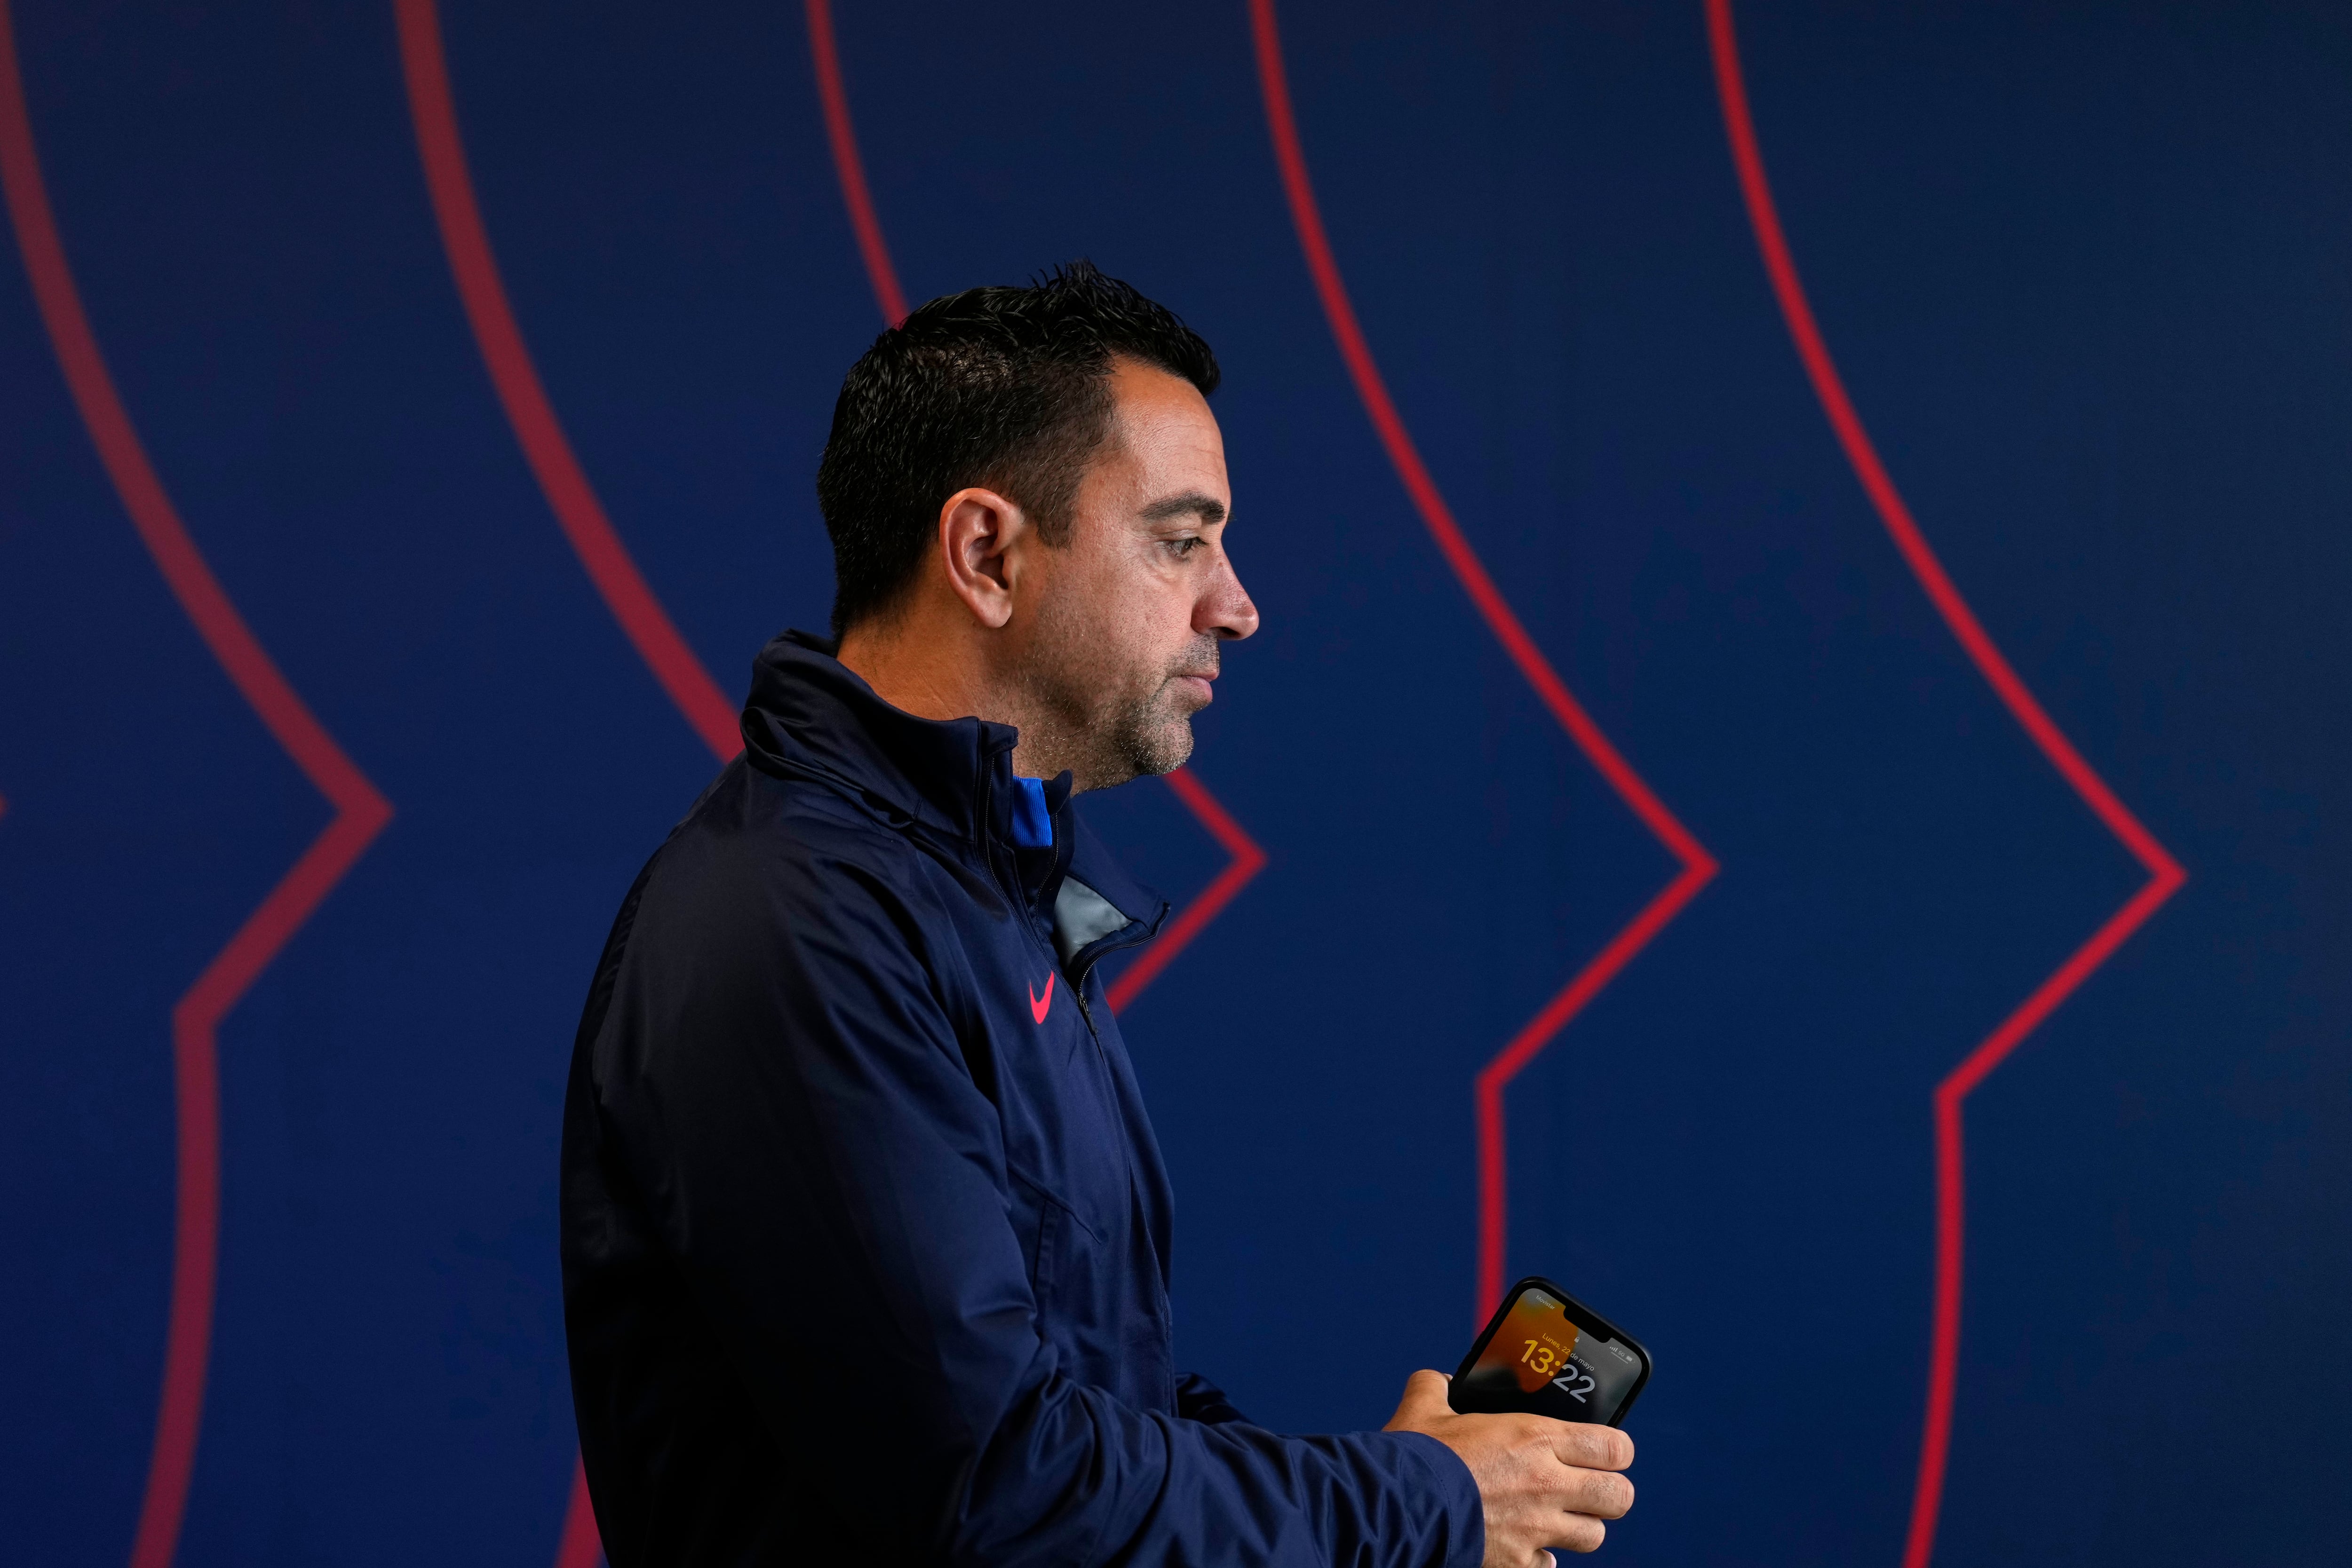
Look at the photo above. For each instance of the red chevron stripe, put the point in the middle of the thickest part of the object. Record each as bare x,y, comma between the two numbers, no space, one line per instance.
541,435
1697,865
580,1546
360,813
842,132
2164,873
1246,859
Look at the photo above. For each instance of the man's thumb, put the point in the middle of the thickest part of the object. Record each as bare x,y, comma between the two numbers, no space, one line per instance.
1425,1401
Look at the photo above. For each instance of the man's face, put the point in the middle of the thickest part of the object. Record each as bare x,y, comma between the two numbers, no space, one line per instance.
1127,616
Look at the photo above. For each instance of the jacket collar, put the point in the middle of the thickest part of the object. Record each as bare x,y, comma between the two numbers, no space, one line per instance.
810,714
1098,907
1093,868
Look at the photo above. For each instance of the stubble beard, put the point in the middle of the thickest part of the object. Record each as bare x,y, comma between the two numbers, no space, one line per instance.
1153,735
1106,724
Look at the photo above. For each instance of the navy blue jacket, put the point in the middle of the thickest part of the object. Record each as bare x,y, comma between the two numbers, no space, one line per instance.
866,1234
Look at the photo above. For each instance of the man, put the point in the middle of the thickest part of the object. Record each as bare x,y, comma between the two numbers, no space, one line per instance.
865,1235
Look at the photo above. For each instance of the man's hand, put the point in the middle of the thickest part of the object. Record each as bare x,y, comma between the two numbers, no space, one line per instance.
1544,1483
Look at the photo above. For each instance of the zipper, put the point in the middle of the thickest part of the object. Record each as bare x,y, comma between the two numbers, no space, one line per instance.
1077,989
1097,950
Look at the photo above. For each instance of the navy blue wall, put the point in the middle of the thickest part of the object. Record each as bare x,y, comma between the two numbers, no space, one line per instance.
2083,270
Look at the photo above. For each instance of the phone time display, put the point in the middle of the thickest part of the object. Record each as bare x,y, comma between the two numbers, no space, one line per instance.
1540,1360
1577,1384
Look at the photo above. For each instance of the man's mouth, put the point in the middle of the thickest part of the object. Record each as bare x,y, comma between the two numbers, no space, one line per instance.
1197,684
1196,680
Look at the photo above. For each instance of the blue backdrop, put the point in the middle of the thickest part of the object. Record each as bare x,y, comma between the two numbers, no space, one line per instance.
1764,401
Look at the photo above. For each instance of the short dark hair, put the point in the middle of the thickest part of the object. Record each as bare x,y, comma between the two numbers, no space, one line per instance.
1005,387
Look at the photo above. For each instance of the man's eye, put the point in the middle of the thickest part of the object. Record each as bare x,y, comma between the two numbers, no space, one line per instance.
1183,546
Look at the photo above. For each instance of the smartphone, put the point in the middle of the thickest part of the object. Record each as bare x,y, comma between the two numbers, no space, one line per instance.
1548,1353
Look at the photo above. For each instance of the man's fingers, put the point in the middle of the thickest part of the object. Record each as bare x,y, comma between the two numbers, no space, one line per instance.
1601,1494
1590,1447
1582,1534
1425,1401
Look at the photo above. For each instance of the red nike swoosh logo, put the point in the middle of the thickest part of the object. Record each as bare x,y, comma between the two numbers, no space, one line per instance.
1040,1006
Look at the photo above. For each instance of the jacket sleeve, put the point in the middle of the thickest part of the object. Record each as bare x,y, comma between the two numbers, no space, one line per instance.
1198,1399
778,1072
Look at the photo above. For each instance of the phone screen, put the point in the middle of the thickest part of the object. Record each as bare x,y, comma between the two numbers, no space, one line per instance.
1540,1361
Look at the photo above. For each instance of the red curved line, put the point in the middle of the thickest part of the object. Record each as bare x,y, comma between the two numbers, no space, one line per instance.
1697,865
842,135
2164,873
541,434
580,1547
1247,858
360,813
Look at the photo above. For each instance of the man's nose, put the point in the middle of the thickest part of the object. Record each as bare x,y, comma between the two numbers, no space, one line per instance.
1226,610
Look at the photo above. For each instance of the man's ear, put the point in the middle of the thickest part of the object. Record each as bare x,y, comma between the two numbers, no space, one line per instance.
978,532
